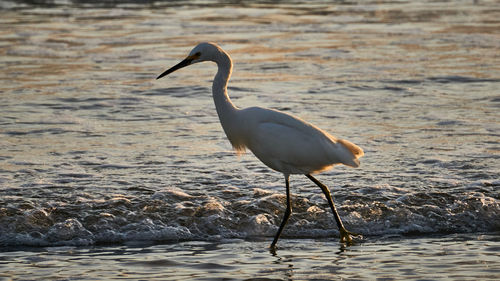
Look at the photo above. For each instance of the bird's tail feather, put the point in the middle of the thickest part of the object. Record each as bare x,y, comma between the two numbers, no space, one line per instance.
354,151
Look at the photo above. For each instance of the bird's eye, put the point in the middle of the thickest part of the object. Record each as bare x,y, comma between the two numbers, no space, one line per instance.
197,55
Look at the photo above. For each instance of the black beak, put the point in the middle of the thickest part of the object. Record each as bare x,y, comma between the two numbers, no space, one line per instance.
180,65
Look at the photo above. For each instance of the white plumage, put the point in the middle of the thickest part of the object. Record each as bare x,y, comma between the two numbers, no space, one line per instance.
283,142
290,145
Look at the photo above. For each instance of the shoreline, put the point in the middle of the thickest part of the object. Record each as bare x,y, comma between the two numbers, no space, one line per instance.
454,256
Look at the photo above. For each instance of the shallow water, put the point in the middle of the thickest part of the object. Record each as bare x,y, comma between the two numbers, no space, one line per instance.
94,150
454,257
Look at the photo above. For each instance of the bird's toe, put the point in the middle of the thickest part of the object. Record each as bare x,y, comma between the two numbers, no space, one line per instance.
347,236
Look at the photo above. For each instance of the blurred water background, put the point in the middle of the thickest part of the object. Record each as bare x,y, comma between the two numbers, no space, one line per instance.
107,173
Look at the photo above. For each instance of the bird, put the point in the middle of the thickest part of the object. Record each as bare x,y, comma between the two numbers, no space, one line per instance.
283,142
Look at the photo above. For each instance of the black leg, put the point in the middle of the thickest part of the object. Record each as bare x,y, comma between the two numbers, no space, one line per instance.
288,211
328,196
345,236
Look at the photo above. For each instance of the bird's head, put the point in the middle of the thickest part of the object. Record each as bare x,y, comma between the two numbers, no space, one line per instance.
202,52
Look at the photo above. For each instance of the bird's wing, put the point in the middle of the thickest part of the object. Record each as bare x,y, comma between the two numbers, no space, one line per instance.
289,149
289,144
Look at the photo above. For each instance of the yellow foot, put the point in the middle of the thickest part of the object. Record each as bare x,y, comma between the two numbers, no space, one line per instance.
272,250
346,236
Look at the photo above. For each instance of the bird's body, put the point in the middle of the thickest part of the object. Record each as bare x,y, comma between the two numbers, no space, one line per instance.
283,142
288,144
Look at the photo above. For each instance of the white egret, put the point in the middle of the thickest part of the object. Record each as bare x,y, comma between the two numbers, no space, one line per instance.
283,142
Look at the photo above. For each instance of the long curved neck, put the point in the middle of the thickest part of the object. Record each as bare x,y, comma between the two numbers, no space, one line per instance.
222,101
225,108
